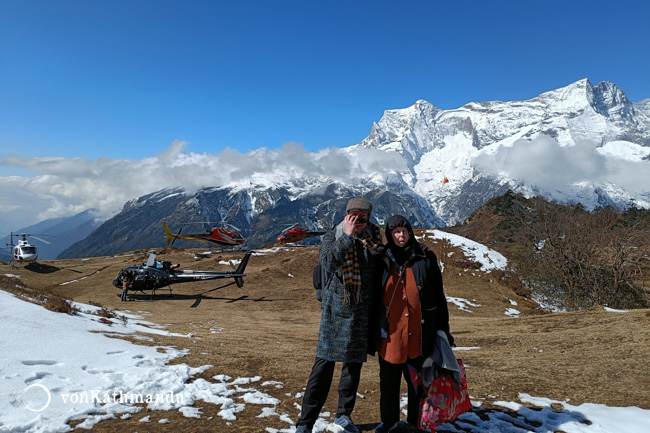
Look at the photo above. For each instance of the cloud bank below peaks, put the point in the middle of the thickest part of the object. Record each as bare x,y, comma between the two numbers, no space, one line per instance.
544,163
66,186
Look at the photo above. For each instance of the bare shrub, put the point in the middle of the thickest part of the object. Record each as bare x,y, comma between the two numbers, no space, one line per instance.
578,259
57,303
105,312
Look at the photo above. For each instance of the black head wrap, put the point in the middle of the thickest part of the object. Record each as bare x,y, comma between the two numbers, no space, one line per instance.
401,254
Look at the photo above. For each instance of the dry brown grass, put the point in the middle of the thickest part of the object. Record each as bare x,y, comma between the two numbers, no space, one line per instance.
45,296
269,328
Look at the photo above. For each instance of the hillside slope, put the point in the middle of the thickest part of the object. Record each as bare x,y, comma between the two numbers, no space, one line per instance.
269,329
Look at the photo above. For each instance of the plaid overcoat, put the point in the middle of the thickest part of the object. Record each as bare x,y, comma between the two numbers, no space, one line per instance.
344,328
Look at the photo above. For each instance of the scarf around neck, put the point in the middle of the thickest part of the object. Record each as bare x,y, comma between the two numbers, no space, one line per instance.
371,240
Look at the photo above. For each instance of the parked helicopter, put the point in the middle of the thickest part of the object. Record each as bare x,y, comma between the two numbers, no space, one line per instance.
24,252
225,235
294,233
154,275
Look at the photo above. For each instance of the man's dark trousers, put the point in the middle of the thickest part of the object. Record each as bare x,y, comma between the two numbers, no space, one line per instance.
318,387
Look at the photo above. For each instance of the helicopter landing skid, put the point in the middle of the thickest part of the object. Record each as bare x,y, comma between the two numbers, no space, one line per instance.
131,296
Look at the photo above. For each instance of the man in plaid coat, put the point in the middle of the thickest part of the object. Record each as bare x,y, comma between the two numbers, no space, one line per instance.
349,257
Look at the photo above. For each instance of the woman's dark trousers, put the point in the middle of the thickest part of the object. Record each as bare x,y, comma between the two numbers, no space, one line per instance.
390,379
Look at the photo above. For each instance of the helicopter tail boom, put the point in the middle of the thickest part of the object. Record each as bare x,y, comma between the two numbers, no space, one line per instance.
169,235
240,269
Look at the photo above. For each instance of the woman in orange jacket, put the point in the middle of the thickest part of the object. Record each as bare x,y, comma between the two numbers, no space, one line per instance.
414,307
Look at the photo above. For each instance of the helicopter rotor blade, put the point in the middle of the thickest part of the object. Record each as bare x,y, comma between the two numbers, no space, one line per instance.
42,240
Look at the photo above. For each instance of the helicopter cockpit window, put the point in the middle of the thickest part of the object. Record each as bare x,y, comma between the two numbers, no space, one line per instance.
28,250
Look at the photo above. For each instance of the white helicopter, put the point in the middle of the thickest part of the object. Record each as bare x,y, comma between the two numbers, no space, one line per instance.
23,251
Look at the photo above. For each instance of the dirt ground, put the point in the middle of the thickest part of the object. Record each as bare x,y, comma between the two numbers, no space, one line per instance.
269,328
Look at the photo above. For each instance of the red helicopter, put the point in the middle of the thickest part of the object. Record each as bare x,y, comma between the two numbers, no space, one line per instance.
224,234
294,233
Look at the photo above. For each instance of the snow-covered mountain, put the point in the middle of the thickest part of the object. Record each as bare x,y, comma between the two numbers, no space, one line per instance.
472,145
582,143
260,214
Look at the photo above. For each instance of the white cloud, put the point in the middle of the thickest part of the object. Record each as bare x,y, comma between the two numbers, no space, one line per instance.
66,186
545,163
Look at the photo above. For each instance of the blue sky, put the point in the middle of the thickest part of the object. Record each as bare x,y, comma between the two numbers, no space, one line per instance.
87,79
125,78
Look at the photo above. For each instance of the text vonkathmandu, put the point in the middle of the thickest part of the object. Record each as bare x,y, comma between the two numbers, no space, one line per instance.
97,396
